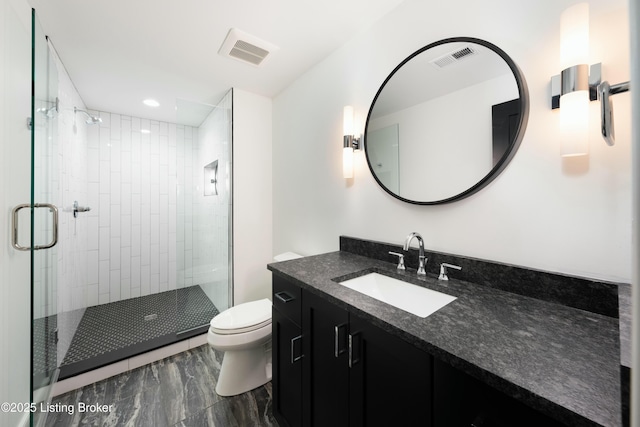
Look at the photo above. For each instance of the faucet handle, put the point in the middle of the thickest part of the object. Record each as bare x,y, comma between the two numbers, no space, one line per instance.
443,270
400,260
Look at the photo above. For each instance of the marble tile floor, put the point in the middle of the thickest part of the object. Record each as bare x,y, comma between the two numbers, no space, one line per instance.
178,391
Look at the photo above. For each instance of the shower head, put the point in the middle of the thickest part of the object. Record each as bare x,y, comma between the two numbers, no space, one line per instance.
50,112
90,120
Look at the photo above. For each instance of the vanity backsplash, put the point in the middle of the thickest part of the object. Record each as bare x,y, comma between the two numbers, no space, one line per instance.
587,294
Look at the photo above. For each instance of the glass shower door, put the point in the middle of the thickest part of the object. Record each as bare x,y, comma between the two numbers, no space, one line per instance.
44,218
203,221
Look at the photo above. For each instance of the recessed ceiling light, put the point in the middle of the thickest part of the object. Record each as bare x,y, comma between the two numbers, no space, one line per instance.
145,131
151,103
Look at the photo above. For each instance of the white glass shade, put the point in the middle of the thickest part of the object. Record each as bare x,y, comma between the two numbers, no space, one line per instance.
574,106
574,123
347,162
574,36
348,120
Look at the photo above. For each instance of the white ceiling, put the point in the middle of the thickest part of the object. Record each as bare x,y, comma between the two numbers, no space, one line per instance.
120,52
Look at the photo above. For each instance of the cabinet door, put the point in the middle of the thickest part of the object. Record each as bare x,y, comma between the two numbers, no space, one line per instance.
461,400
390,380
325,367
287,371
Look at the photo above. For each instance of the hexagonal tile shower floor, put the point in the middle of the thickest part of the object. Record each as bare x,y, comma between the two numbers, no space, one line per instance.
118,330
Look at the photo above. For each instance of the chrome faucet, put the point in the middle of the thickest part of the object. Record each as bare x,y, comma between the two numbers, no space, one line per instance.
421,258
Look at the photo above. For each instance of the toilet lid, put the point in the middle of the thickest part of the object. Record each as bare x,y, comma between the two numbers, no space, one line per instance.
244,317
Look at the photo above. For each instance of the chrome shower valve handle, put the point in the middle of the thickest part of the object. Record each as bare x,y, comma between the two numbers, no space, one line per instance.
77,208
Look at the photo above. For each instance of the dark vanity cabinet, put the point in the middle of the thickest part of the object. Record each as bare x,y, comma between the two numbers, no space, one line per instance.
390,380
353,373
333,368
325,365
287,353
461,400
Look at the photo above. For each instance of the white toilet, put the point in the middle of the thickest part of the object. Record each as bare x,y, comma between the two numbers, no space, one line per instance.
243,332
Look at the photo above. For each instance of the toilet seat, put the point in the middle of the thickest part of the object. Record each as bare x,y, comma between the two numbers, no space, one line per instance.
242,318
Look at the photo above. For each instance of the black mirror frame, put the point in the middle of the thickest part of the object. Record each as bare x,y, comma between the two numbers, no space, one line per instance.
511,150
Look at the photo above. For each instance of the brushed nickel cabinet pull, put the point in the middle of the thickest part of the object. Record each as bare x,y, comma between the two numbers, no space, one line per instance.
295,358
353,361
284,297
337,350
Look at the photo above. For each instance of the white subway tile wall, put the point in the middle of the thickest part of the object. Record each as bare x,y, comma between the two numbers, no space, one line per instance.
150,227
143,181
135,226
153,229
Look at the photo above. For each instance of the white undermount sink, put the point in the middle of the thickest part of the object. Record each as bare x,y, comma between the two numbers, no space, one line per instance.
412,298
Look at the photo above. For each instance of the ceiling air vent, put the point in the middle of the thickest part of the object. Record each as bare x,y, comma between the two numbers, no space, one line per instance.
453,57
246,48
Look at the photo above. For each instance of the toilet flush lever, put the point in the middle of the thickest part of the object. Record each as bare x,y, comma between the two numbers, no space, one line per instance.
443,270
400,260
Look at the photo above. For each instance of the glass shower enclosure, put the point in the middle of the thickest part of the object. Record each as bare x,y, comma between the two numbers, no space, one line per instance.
42,221
128,224
204,193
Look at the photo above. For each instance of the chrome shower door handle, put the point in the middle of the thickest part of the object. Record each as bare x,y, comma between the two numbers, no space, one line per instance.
15,226
54,237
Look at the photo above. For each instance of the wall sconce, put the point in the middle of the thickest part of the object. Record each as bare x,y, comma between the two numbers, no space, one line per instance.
350,142
580,83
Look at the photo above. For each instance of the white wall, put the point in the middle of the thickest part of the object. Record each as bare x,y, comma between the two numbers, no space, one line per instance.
571,216
15,86
252,196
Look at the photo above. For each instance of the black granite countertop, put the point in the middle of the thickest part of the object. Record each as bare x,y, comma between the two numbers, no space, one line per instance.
559,360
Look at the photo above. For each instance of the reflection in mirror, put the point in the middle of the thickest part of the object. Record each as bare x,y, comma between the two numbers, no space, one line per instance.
384,153
446,121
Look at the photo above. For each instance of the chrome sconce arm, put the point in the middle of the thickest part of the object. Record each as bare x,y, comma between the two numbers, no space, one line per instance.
605,90
573,78
350,141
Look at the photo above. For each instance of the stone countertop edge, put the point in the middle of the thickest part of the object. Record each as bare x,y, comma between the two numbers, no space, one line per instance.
561,361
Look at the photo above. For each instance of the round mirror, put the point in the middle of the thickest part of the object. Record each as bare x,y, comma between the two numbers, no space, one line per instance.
446,121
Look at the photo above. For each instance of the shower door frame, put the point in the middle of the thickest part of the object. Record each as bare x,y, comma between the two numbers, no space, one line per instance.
43,269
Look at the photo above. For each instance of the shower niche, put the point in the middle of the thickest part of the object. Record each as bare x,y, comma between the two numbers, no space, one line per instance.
211,179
